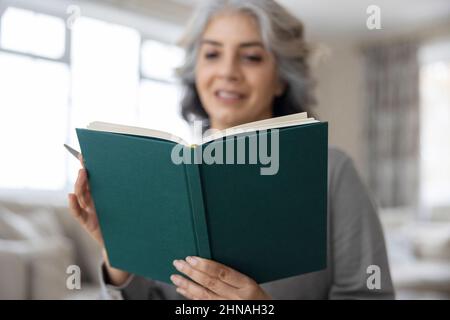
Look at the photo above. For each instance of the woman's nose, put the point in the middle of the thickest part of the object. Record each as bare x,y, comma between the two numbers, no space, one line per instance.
229,70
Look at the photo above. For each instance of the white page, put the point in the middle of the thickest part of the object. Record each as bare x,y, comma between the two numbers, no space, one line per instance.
278,122
118,128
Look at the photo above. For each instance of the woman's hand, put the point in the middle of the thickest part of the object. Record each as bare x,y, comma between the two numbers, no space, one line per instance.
214,281
82,208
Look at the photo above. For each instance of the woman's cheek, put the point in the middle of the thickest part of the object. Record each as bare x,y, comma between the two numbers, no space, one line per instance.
204,82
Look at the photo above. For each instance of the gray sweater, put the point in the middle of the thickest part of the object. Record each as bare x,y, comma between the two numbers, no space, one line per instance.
355,242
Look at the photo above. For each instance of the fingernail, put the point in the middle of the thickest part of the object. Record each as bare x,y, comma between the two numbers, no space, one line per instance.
178,264
192,260
175,279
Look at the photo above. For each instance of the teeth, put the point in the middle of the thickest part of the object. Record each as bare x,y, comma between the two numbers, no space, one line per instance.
228,95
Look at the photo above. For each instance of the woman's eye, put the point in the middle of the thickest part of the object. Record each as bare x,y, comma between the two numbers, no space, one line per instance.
253,58
211,55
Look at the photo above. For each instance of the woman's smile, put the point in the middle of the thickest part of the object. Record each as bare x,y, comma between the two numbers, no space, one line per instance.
229,97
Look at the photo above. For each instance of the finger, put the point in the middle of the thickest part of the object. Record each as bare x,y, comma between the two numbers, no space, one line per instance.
80,187
220,271
80,157
192,290
92,222
76,209
87,220
84,176
86,192
88,199
211,283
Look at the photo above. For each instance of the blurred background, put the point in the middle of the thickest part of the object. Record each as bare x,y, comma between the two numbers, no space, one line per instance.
384,91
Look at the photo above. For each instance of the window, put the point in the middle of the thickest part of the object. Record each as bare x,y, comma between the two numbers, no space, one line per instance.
105,75
159,93
435,128
32,33
159,60
34,84
32,120
112,75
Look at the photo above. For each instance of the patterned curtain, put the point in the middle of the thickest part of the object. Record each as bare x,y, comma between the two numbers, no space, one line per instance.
392,98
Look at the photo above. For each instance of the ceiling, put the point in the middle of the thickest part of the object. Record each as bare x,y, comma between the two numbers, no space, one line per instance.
323,19
347,18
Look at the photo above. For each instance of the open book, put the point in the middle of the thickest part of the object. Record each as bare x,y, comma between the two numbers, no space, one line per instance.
279,122
153,209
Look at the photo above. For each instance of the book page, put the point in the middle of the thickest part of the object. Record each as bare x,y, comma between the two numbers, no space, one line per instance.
272,123
266,124
118,128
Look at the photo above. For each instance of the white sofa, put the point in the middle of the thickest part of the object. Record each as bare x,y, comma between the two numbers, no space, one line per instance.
419,253
37,245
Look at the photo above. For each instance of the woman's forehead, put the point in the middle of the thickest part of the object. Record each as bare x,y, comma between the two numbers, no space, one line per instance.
243,44
236,27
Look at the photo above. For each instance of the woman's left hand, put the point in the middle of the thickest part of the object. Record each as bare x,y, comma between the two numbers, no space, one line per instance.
214,281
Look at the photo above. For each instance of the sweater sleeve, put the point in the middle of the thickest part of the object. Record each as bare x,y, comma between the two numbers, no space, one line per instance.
357,242
136,288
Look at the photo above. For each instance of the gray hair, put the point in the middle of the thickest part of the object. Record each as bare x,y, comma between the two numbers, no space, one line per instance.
282,34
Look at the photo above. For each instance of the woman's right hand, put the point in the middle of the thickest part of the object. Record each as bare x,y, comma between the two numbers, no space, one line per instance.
82,208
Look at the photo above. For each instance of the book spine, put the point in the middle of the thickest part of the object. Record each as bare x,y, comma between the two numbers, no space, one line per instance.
198,210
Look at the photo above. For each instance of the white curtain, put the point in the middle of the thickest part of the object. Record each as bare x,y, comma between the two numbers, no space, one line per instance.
392,97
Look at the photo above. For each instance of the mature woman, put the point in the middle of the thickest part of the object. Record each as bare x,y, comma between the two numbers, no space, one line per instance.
246,61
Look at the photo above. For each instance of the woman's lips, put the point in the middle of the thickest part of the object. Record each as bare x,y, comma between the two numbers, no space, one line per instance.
229,97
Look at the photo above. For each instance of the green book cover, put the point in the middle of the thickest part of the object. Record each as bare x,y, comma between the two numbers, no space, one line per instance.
152,210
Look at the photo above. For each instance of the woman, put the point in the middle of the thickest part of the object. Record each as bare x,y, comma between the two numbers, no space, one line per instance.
246,61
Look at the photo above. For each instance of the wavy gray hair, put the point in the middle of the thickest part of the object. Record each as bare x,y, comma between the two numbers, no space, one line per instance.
282,34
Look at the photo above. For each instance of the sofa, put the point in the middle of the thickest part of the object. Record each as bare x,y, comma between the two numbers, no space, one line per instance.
38,245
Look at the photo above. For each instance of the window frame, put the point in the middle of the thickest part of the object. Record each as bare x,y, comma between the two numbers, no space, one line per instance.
66,58
32,195
58,197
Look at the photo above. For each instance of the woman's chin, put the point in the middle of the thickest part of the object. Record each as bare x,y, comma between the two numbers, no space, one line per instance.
225,117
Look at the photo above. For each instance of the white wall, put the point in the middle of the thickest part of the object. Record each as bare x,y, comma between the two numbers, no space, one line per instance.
340,100
340,87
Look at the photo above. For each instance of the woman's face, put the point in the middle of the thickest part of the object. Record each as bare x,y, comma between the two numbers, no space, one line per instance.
236,77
